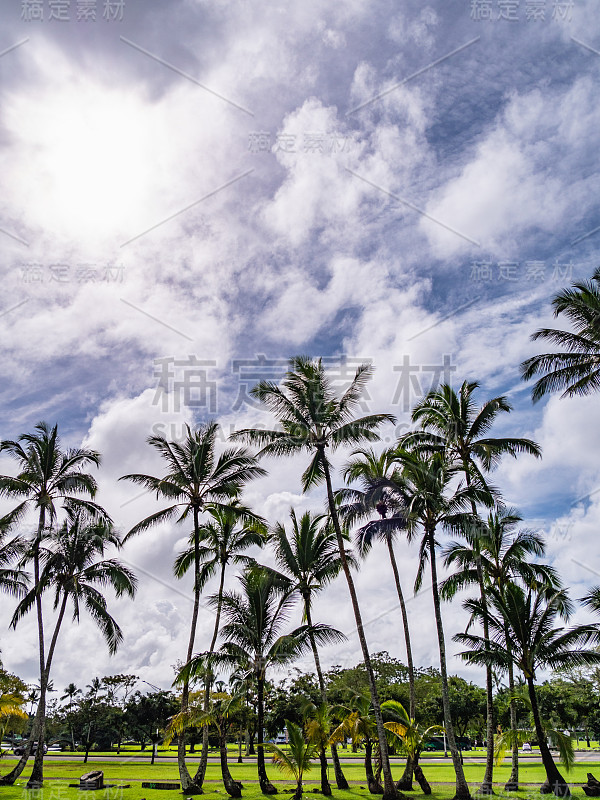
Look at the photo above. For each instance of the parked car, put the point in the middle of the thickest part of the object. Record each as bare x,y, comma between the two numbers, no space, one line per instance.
20,748
527,747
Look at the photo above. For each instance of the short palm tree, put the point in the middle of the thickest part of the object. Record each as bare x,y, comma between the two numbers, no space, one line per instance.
536,642
413,737
576,368
47,475
358,723
221,713
453,423
309,557
229,531
196,476
314,420
317,727
71,692
252,641
503,554
296,759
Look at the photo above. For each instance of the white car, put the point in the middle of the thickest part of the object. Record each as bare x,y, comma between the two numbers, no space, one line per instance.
527,747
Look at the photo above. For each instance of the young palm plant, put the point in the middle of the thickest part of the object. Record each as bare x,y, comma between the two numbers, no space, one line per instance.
503,555
296,760
452,423
196,476
317,727
413,737
47,475
576,368
314,420
358,723
536,642
309,557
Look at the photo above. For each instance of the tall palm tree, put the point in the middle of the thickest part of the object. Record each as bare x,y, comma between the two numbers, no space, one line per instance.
536,642
425,484
454,423
46,476
74,570
503,554
252,641
372,470
314,420
309,557
196,476
232,529
575,369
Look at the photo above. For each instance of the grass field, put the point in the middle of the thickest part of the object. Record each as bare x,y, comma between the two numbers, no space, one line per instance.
121,770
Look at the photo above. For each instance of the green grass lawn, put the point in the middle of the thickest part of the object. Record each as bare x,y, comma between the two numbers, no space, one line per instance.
121,770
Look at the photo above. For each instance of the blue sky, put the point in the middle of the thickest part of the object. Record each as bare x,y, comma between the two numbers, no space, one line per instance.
200,183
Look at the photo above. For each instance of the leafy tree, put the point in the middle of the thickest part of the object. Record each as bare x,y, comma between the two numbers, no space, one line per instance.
576,368
47,475
147,713
314,420
358,722
196,477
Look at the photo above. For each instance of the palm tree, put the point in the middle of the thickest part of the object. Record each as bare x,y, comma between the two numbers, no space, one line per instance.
71,692
576,369
232,530
503,556
317,727
196,477
413,738
73,567
372,470
452,422
252,641
358,722
296,759
536,642
221,712
425,485
47,475
12,579
309,557
316,421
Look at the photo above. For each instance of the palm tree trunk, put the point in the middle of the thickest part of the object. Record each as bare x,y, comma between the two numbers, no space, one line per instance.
554,780
231,787
266,786
340,778
462,788
36,778
487,787
325,787
512,784
373,785
405,782
201,771
187,784
420,777
390,791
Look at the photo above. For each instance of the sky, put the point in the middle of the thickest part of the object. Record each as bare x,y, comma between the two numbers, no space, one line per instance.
193,192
